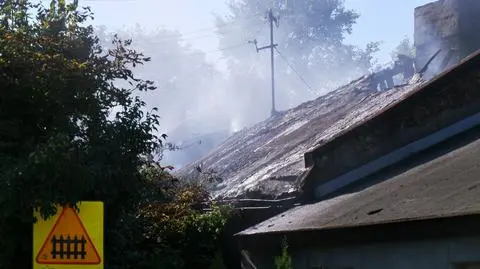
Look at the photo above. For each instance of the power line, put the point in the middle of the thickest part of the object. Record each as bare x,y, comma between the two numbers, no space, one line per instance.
181,37
230,47
296,72
207,52
254,16
220,49
261,29
210,29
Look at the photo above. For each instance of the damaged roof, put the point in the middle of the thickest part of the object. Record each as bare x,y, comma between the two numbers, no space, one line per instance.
443,187
268,158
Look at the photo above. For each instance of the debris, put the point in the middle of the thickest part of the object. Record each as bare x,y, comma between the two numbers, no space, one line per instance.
425,67
404,65
383,80
447,58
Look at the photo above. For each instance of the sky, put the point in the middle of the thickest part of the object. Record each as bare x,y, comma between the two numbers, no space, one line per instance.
380,20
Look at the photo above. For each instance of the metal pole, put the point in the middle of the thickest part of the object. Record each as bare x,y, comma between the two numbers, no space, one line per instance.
272,46
271,18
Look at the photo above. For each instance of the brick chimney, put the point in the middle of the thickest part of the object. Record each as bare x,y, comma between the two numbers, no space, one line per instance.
447,25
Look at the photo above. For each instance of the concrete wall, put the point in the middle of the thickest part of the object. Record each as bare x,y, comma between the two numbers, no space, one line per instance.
435,254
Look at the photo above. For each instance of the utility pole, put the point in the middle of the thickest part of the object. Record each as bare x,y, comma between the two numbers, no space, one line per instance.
272,19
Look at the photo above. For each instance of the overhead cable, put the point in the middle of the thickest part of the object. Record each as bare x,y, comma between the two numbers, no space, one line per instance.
296,72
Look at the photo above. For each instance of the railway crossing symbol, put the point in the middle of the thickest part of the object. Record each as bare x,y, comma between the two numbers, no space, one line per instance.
66,242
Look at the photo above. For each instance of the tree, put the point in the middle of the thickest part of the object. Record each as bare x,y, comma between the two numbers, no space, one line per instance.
183,75
405,47
59,143
310,35
190,91
72,128
178,234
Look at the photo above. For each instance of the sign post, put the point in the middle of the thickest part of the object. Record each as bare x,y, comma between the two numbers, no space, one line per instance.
70,239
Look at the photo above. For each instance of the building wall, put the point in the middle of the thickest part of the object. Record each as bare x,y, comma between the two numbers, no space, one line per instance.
435,254
445,25
437,105
436,27
242,219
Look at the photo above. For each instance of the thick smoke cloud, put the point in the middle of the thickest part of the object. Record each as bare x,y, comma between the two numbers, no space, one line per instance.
200,105
190,98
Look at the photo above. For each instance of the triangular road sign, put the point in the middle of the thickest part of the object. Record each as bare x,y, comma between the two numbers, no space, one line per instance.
68,242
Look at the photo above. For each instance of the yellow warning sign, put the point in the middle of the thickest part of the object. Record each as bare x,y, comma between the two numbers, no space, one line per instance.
70,239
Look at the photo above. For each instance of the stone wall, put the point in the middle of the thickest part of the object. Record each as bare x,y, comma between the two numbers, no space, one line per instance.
446,25
438,104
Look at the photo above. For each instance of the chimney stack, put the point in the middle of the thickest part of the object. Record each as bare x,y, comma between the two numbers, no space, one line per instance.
450,25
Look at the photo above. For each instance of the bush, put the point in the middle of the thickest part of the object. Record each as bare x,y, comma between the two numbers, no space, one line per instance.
177,224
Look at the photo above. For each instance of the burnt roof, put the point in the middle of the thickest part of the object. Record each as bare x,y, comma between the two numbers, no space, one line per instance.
446,186
271,159
268,158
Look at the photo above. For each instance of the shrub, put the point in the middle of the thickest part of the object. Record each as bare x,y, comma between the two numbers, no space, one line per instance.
284,261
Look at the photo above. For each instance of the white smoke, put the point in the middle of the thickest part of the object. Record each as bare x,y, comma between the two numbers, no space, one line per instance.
200,106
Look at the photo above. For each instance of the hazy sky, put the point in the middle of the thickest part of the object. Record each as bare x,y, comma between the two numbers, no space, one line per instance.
381,20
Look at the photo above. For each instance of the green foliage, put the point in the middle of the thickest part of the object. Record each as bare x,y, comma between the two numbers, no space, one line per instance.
284,261
68,132
178,226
